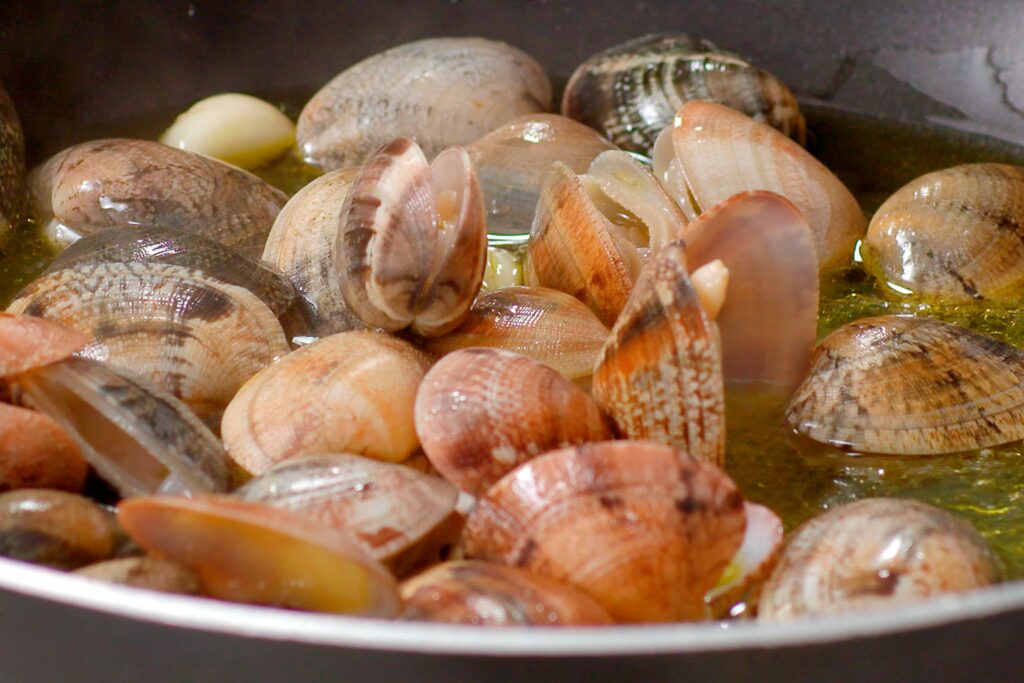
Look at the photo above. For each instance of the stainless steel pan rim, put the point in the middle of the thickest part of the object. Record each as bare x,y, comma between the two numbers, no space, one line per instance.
340,631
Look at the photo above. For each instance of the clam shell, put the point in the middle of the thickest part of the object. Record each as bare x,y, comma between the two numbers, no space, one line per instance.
750,567
36,453
485,594
911,386
546,325
723,152
145,572
12,164
350,392
28,342
660,526
400,517
439,91
120,183
955,234
246,552
659,375
631,91
481,412
875,554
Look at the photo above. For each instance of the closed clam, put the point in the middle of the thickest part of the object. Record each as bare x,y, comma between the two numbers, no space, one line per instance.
121,182
482,593
192,335
145,572
660,526
739,589
720,152
400,517
413,240
955,234
351,392
12,164
874,554
246,552
911,386
35,452
481,412
659,375
631,91
439,91
546,325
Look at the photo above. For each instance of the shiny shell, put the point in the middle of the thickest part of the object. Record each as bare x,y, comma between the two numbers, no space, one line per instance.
631,91
955,234
28,342
739,590
546,325
911,386
119,183
485,594
193,336
439,91
413,240
875,553
351,392
302,245
246,552
145,572
660,526
400,517
659,376
12,164
36,453
481,412
722,152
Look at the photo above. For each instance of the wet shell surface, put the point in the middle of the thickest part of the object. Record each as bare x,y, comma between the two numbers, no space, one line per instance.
352,392
631,91
35,452
659,375
401,517
27,342
955,234
194,336
660,526
145,572
121,182
12,164
486,594
739,590
546,325
481,412
911,386
439,91
246,552
874,554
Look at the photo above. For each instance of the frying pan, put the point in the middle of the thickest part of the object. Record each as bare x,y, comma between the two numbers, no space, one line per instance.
79,71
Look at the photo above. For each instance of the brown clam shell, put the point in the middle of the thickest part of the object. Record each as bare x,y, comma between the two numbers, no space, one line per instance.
12,164
145,572
35,452
642,528
28,342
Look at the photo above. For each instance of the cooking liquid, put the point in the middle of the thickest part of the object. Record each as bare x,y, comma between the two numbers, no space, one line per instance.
792,475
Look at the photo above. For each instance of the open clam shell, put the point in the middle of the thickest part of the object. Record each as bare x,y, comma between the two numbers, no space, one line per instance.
28,342
739,590
12,165
35,452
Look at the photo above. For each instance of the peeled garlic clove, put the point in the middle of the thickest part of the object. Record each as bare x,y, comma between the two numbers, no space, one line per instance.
246,552
12,165
36,453
485,594
28,342
239,129
660,525
145,572
504,269
400,517
875,554
739,589
659,375
481,412
351,392
543,324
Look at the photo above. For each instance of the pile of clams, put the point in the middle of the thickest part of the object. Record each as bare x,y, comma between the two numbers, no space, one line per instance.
476,372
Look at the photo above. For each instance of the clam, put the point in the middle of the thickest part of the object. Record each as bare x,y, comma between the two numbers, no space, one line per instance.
145,572
400,517
27,343
874,554
351,392
510,162
439,91
631,91
546,325
36,453
955,234
12,164
120,183
504,269
413,240
721,152
57,529
659,375
302,244
659,526
481,412
481,593
192,335
739,589
911,386
246,552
